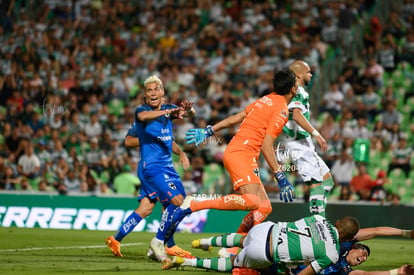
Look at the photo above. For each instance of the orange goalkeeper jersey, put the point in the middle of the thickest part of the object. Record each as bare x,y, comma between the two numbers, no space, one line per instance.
267,115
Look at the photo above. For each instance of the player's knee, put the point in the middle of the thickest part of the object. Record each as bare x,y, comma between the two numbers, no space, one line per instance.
177,200
251,201
265,208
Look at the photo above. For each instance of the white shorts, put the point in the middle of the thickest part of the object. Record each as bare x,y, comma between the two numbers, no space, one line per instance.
253,254
303,155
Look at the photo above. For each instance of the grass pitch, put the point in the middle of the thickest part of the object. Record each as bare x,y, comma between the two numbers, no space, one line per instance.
47,251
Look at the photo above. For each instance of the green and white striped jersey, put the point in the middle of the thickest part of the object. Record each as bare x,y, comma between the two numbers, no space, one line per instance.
312,239
300,101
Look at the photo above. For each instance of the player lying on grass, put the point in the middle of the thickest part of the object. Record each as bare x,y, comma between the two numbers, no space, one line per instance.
311,239
352,253
351,248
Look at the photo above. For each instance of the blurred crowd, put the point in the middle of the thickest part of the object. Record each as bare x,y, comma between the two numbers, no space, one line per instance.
72,72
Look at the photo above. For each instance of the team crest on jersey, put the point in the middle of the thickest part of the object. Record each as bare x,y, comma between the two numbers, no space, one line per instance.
172,185
256,171
284,113
166,176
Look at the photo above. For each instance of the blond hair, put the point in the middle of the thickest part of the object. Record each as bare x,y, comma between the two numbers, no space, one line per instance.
153,79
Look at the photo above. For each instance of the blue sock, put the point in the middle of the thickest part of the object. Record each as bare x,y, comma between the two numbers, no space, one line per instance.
127,226
170,242
177,216
166,222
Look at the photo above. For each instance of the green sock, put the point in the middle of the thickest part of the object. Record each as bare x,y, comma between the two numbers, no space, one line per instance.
227,240
217,264
317,200
328,184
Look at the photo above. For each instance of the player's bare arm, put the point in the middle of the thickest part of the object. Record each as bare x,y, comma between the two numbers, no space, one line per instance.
372,232
150,115
268,152
402,270
131,141
184,161
305,124
230,121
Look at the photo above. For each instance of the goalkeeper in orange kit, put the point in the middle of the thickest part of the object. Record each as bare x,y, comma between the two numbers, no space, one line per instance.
261,123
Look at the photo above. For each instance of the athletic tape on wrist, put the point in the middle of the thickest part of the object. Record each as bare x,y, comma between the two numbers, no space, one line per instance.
406,234
315,133
394,271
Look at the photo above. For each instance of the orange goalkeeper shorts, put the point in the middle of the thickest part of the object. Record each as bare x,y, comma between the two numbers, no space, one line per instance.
242,168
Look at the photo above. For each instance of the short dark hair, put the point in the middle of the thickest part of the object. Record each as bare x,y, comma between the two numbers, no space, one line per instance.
362,246
283,81
347,228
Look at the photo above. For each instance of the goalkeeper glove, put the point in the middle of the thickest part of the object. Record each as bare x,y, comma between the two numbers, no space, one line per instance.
287,191
198,136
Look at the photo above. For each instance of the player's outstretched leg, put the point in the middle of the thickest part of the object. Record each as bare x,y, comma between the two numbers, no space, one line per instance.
114,242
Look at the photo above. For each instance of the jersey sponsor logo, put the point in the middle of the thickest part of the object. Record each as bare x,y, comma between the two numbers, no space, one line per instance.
172,186
164,138
236,198
266,100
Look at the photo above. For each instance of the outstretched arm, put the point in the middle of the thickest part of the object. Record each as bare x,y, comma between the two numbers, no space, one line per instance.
402,270
150,115
230,121
198,136
305,124
372,232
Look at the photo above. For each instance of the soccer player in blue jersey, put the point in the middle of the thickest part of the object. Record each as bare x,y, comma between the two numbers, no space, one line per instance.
153,122
147,197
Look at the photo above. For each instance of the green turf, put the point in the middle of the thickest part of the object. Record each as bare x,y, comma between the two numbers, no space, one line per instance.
47,251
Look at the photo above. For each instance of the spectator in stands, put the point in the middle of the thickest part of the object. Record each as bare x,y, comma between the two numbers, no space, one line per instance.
361,130
72,181
332,100
371,101
341,170
380,136
126,183
378,190
15,143
376,71
372,33
28,164
95,158
361,183
93,128
390,116
407,47
388,97
401,156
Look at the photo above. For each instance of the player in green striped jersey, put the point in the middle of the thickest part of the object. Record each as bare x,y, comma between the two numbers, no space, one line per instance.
298,145
313,240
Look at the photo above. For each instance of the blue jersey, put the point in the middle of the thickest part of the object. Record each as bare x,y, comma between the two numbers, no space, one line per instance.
156,137
341,267
132,130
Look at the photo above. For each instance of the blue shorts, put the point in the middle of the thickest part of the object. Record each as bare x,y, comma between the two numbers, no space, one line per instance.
161,182
145,189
